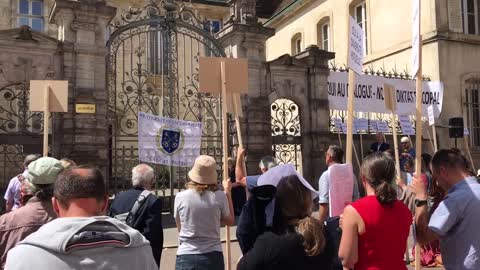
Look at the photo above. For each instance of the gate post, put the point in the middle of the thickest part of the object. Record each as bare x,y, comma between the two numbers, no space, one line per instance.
242,37
82,26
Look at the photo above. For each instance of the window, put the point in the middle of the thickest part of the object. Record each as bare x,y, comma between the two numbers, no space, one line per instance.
297,44
470,17
212,25
30,12
360,15
159,52
325,36
472,106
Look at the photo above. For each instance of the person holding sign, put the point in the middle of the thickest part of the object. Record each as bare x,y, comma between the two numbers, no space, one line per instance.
376,227
408,152
333,156
199,212
300,244
455,221
380,145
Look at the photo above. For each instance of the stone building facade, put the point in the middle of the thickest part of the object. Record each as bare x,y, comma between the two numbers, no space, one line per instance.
72,43
451,46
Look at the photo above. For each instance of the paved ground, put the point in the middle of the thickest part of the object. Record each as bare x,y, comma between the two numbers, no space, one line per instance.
171,243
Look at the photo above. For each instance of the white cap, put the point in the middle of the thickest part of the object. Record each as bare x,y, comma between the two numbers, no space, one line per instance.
275,174
405,140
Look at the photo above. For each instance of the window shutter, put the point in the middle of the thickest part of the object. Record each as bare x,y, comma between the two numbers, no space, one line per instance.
455,15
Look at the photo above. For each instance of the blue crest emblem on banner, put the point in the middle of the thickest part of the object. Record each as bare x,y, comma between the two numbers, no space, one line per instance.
170,140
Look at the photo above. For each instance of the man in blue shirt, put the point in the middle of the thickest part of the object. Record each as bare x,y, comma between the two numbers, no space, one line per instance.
333,156
455,222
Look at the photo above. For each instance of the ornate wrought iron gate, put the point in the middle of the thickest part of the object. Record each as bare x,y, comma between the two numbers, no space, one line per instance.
286,133
20,129
152,67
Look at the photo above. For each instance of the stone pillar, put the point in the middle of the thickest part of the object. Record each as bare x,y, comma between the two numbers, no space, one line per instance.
248,41
82,25
316,132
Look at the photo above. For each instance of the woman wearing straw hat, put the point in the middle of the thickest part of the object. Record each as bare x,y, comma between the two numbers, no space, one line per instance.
199,212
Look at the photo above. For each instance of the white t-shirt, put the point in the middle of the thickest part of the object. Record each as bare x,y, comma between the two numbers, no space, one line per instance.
200,216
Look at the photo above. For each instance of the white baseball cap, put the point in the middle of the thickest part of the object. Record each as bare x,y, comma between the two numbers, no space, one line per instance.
275,174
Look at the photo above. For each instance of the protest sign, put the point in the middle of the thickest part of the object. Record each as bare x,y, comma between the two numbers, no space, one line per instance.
369,94
338,124
420,94
228,76
361,124
168,141
382,126
340,188
416,47
406,125
48,96
355,52
431,115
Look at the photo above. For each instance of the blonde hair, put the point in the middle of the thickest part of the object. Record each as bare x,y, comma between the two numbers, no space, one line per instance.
200,188
296,204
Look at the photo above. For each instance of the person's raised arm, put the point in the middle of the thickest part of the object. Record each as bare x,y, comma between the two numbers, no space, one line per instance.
348,250
228,220
240,168
423,234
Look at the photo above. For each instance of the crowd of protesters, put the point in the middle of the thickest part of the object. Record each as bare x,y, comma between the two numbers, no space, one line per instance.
58,215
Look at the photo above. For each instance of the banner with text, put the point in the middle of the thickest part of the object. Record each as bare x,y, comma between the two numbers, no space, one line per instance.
369,96
168,141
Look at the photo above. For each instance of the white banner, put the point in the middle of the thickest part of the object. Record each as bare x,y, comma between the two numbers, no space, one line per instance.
369,95
168,141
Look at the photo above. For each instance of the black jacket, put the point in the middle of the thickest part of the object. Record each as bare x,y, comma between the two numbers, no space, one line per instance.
253,219
283,252
150,224
383,147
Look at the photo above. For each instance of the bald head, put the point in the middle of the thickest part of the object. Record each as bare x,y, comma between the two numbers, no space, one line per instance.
142,176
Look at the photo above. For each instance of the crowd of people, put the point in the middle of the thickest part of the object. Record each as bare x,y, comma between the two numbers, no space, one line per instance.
59,215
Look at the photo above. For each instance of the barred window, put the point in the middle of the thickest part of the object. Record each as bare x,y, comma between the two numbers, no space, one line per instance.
472,106
470,17
360,15
30,12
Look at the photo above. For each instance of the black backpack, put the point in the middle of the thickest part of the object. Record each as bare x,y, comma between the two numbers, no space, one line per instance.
133,217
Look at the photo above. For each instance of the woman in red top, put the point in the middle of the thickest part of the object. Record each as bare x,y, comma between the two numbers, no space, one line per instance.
376,227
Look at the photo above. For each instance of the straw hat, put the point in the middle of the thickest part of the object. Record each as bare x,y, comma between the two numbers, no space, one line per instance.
204,171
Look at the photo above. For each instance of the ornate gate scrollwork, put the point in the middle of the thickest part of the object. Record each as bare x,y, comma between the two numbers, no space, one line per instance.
286,133
152,67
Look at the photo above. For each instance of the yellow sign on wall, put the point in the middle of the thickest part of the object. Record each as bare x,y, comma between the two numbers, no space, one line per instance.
85,108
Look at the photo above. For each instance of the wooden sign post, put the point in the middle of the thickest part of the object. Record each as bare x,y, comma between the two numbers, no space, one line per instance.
417,70
431,122
229,77
391,105
466,133
355,64
47,97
